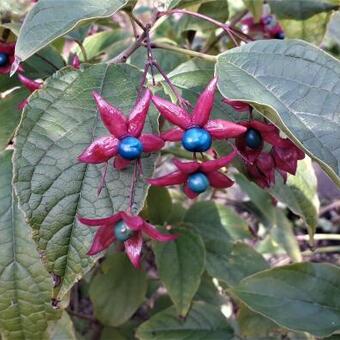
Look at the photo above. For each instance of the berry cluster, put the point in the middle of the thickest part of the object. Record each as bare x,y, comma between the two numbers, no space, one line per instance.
196,131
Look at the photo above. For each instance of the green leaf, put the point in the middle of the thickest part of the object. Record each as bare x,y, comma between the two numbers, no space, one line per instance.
208,292
25,286
259,197
62,329
206,220
294,85
302,297
48,20
333,29
44,63
159,205
301,9
282,233
53,187
10,115
240,262
311,30
203,322
217,10
98,43
224,260
181,264
255,7
118,291
254,325
300,193
233,223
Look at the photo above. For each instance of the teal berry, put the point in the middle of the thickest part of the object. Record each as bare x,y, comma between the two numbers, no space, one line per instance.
253,139
198,182
130,148
196,140
122,231
3,59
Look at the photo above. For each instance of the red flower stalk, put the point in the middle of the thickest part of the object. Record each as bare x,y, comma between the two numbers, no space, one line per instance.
126,229
75,62
237,105
31,85
287,156
262,171
126,142
196,131
6,57
196,176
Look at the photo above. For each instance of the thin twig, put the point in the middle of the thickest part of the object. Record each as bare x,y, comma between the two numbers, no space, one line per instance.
123,56
318,237
190,53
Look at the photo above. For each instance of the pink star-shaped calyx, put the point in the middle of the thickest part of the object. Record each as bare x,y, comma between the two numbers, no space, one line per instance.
197,177
196,130
126,229
126,142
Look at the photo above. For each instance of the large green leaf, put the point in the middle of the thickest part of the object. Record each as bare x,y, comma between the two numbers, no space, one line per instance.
25,286
233,266
254,325
203,322
10,115
301,9
181,265
333,29
224,260
302,297
62,329
158,205
296,86
300,193
52,186
118,291
259,197
282,234
312,30
50,19
98,43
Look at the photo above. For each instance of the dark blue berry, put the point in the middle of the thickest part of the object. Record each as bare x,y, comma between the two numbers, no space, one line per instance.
130,148
196,140
253,139
280,35
198,182
267,20
3,59
122,232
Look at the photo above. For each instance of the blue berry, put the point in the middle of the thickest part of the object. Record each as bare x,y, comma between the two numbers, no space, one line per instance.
196,140
268,20
122,232
198,182
280,35
3,59
130,148
253,139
